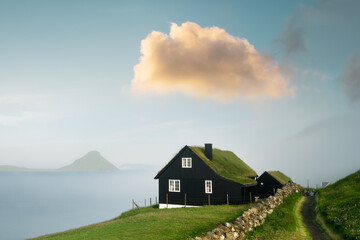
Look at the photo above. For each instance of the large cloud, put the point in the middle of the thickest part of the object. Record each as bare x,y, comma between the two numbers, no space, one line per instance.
206,63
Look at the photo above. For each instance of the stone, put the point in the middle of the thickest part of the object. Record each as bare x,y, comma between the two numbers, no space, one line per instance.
216,231
210,235
253,210
253,217
241,236
230,236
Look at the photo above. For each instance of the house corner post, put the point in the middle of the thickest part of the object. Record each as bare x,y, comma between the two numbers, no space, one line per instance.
167,200
185,200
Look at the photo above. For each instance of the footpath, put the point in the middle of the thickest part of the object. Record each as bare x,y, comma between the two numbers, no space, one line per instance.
309,219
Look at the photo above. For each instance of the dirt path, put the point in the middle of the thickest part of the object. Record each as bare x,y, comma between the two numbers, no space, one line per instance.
309,219
299,218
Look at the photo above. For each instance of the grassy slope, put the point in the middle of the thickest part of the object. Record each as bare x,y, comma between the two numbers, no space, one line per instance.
227,165
282,178
339,204
284,223
152,223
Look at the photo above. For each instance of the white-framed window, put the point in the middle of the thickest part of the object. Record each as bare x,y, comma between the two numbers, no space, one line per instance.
174,185
186,162
208,186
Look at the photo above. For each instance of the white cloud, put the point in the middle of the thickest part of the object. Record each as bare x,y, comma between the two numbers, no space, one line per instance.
206,63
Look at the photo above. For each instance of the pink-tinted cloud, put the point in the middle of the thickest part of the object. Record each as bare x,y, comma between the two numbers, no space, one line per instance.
206,63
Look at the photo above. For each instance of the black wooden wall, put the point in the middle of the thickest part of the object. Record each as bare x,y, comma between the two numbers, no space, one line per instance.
192,182
267,184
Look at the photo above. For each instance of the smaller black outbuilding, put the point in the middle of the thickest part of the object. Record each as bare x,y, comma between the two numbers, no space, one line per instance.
270,181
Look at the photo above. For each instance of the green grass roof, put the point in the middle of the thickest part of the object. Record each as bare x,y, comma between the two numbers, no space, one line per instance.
227,165
282,178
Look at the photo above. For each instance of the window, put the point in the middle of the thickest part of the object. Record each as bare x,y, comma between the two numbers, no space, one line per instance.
174,185
186,162
208,186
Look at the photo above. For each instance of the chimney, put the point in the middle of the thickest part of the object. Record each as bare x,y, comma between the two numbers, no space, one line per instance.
208,151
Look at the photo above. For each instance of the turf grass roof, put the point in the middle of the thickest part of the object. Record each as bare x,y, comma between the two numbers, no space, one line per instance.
227,165
282,178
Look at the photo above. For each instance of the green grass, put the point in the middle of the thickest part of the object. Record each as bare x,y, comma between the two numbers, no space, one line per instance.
153,223
282,178
227,165
283,223
339,205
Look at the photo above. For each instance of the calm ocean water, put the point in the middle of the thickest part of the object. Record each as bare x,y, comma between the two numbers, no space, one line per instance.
33,204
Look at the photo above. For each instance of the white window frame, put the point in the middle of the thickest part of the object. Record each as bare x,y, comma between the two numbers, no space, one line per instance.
186,162
174,181
211,187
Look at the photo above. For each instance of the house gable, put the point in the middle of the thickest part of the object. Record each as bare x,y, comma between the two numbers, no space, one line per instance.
198,170
171,162
274,177
268,180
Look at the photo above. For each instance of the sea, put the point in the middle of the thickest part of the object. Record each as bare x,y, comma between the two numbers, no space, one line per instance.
34,204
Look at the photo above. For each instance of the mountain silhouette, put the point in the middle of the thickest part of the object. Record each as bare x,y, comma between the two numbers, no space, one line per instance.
91,162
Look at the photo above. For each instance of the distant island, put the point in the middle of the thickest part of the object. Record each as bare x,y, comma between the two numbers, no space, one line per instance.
91,162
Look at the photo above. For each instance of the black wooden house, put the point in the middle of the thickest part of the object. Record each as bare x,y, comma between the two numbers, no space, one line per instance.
270,181
202,175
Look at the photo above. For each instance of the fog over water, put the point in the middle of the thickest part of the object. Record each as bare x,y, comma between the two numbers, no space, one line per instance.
33,204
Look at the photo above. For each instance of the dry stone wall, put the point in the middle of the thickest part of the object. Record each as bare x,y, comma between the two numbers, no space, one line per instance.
250,219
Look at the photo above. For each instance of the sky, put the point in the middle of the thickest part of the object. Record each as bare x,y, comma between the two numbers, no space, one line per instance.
276,82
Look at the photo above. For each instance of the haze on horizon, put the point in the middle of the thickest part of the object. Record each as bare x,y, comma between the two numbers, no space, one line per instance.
276,83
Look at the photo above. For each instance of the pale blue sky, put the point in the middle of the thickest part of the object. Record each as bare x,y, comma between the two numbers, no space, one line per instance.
65,85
